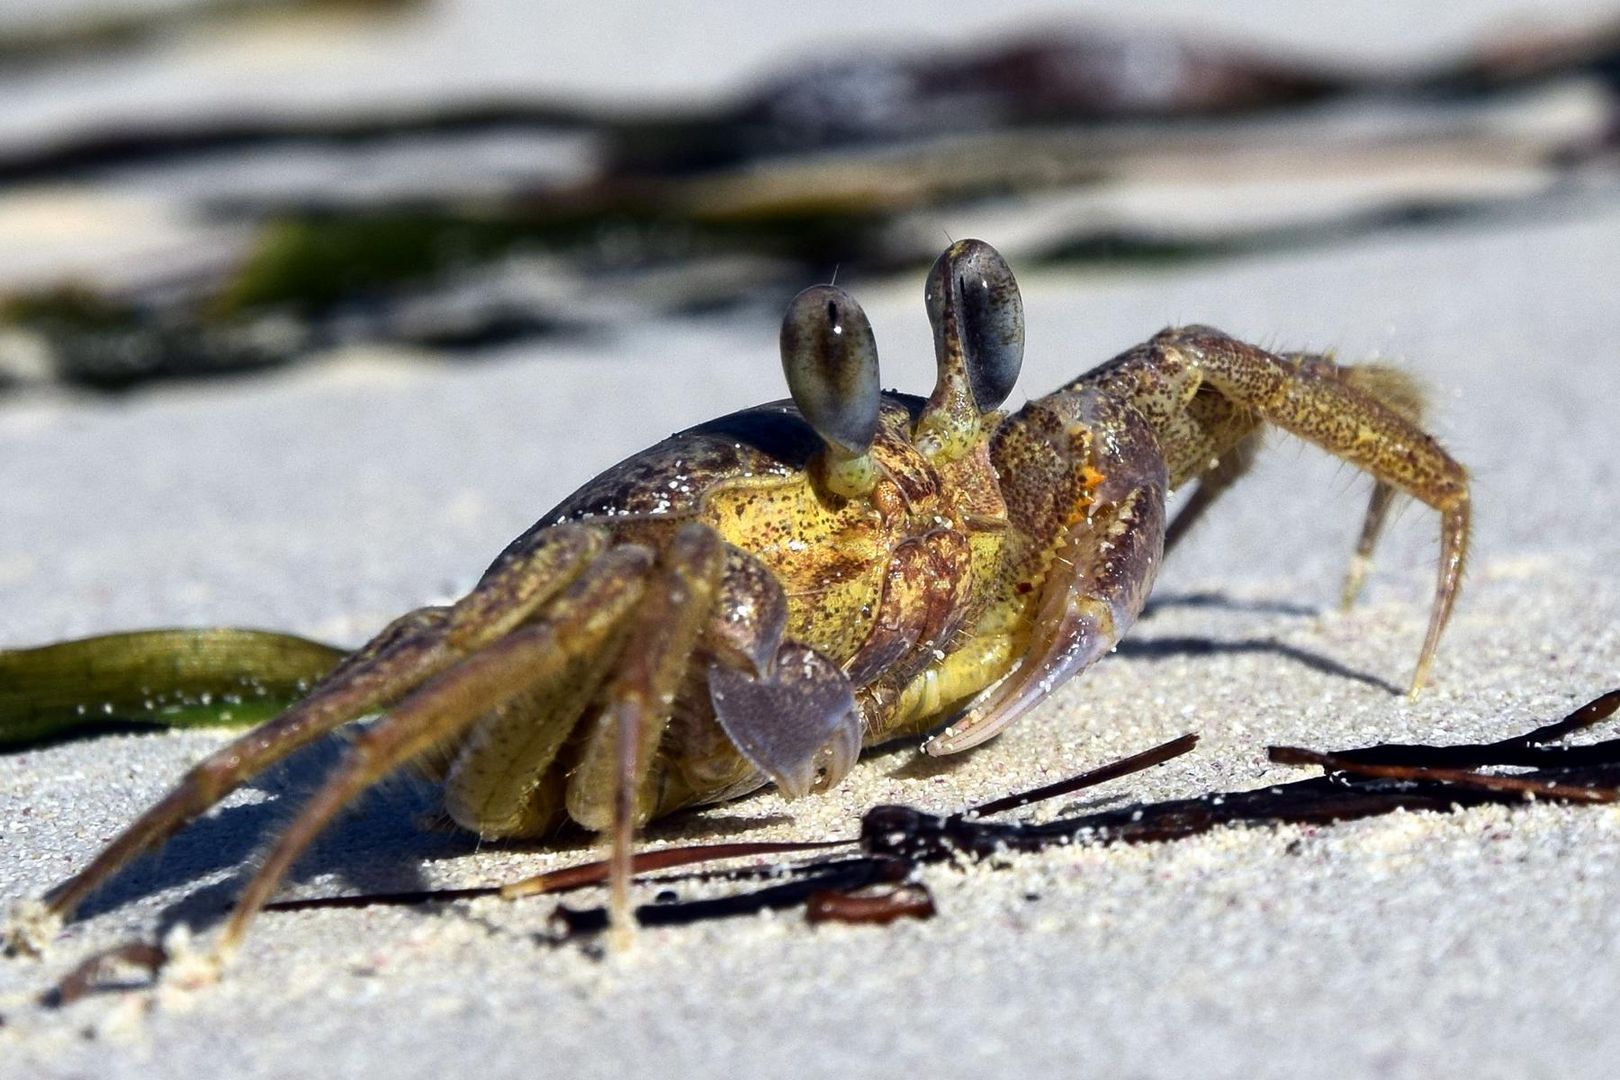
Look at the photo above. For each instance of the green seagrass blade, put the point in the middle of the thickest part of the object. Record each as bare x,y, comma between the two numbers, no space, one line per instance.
164,678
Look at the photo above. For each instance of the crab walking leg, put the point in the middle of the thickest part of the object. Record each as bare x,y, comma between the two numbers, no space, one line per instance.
1350,423
609,791
1372,526
500,782
1404,396
444,706
408,651
1211,486
1219,430
1233,465
497,781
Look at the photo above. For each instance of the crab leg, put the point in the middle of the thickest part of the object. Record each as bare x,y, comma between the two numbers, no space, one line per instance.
498,785
1372,526
1211,486
610,790
1355,423
1392,387
410,650
440,709
1404,396
1215,483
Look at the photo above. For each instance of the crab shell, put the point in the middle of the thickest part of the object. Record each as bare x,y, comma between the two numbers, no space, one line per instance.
874,584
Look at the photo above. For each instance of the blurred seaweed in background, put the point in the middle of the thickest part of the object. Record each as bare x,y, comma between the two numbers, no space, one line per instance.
190,236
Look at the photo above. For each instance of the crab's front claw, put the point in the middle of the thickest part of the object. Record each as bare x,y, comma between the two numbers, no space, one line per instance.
798,725
1100,571
789,710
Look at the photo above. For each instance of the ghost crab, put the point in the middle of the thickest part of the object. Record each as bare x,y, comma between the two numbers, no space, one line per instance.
756,598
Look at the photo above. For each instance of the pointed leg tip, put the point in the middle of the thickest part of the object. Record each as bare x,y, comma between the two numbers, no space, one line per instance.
186,967
1354,580
621,916
32,927
230,939
622,923
1420,678
517,890
622,935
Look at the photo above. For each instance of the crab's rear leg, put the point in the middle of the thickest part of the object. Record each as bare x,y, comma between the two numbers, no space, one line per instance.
1229,469
1355,423
443,707
1391,386
1404,396
410,650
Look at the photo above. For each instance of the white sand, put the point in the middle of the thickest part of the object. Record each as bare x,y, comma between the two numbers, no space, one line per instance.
327,499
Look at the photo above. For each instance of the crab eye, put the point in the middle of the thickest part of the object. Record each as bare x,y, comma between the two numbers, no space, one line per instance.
973,283
830,359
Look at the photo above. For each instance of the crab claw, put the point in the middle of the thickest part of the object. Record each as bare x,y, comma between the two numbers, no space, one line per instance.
1101,572
798,725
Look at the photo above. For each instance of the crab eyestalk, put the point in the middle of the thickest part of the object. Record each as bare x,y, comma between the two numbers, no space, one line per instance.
830,359
978,319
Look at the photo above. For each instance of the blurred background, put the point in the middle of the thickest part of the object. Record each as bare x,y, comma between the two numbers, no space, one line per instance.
191,188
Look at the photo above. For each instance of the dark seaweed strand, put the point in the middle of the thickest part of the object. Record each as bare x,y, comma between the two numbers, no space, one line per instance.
844,876
570,878
899,838
904,832
1544,784
1112,771
1527,749
406,898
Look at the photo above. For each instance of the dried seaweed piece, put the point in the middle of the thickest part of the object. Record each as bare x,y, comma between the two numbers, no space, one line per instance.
910,900
1157,755
1528,749
1082,74
878,886
102,972
1466,779
1580,773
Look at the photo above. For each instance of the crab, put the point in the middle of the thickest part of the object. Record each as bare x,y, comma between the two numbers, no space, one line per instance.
755,599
